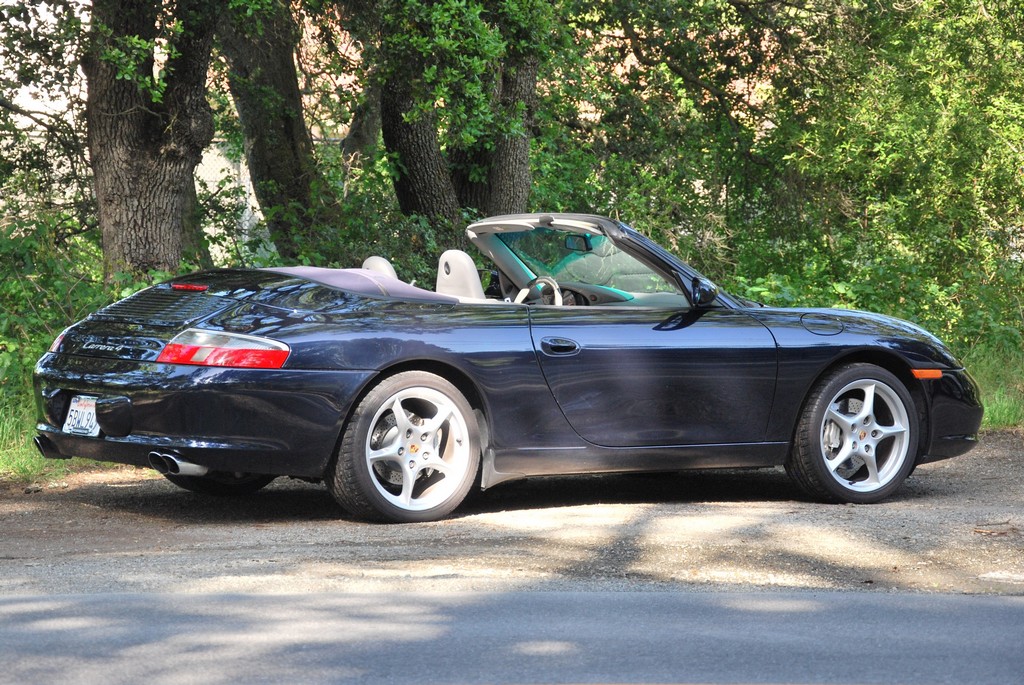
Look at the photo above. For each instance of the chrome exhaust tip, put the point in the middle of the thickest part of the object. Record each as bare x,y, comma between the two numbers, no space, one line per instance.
166,463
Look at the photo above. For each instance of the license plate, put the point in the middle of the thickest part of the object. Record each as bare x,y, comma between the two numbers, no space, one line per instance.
81,418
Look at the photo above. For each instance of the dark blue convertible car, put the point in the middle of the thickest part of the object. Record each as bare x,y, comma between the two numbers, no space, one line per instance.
591,349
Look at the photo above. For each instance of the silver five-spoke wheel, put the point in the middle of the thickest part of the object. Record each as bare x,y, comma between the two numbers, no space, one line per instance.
857,438
410,451
864,435
418,449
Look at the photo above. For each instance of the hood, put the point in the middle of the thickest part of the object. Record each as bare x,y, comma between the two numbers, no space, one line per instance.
869,329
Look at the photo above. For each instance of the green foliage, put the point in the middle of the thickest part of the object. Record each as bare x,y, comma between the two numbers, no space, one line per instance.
47,212
369,222
40,44
51,284
843,154
132,58
49,281
908,163
43,167
999,370
454,49
19,460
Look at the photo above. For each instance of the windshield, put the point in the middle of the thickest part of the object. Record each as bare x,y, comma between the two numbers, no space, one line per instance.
584,258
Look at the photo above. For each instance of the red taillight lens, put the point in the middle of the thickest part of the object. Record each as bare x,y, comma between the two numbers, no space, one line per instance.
55,345
192,287
214,348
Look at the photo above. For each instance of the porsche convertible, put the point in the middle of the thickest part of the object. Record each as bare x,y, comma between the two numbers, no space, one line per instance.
590,349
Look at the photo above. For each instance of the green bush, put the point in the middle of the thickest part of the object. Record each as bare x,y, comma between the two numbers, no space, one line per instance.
999,370
53,281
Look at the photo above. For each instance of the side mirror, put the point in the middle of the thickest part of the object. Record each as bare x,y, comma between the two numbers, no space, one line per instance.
703,292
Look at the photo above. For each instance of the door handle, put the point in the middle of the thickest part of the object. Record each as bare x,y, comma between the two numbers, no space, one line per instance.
559,347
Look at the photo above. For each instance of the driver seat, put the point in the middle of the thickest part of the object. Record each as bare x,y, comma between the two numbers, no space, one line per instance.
457,276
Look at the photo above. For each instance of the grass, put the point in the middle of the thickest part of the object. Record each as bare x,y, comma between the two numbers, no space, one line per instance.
999,373
19,459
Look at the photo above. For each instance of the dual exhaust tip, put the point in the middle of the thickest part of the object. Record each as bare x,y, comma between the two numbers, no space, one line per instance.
168,463
164,462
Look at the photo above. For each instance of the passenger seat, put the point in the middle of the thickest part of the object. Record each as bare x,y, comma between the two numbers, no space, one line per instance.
380,265
457,276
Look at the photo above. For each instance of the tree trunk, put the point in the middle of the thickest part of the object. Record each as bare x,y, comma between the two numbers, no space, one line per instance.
364,133
279,150
509,175
144,152
195,248
502,159
423,182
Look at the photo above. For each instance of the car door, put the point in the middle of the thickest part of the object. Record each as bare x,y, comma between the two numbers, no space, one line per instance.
637,376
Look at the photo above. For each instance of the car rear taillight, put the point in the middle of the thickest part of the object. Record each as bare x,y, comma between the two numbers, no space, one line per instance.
215,348
190,287
55,345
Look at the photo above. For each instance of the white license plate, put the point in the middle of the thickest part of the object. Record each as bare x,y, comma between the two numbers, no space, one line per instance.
81,418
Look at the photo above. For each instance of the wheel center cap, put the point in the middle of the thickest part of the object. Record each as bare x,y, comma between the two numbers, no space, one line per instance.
863,434
414,448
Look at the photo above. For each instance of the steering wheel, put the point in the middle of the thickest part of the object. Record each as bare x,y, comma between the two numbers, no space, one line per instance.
541,281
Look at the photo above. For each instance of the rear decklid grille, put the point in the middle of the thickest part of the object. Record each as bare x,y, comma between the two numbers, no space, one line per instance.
138,327
162,307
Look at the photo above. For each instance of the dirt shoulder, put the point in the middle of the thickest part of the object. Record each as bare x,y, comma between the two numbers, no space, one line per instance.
956,526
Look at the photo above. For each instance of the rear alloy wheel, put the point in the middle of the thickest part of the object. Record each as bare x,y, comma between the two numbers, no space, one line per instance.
857,438
409,453
222,483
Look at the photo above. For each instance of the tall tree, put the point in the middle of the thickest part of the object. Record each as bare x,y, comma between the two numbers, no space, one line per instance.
423,182
460,83
260,51
450,84
149,122
492,173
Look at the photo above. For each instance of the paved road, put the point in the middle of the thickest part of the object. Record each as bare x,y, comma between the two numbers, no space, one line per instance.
725,577
515,637
956,527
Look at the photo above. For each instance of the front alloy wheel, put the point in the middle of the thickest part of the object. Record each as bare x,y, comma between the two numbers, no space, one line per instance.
857,438
410,451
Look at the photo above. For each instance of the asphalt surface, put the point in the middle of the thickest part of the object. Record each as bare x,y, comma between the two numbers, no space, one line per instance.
516,637
117,576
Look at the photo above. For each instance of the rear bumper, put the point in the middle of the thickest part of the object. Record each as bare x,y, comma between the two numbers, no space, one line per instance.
956,413
280,422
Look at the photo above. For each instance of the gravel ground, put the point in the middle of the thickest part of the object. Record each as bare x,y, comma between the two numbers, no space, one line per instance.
956,526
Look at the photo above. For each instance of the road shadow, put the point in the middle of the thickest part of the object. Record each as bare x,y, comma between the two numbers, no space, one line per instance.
288,500
687,487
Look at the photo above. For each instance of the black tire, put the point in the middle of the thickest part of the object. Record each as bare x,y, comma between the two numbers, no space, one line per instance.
222,483
856,441
410,452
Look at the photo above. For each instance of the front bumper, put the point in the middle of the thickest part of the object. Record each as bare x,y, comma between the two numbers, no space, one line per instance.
956,413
